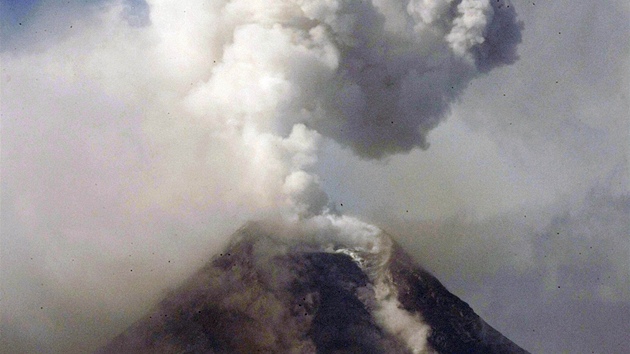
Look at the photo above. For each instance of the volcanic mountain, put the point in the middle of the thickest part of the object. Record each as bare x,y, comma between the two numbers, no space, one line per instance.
273,293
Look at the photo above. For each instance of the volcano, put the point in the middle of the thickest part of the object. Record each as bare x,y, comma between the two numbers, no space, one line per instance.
269,293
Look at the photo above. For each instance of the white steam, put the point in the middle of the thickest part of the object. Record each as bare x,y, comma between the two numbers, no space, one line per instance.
470,25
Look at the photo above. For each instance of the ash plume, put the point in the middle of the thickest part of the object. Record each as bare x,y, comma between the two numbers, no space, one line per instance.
235,96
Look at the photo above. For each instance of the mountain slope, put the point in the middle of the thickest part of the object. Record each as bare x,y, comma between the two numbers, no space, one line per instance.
269,294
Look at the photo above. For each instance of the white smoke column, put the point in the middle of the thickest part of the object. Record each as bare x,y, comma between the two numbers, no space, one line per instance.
374,76
345,69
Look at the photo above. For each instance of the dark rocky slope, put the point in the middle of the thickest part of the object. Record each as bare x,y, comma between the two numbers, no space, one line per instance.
266,295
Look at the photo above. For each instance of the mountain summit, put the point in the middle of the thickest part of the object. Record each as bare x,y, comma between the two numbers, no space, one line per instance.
269,293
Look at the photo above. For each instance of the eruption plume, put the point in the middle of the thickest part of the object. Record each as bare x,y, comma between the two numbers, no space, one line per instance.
374,76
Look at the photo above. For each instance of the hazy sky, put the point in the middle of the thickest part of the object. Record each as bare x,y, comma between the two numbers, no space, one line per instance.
126,160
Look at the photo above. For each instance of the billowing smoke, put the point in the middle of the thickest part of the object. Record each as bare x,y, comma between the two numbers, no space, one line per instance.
376,77
135,132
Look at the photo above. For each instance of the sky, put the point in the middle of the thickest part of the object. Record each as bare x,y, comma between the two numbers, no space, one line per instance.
136,137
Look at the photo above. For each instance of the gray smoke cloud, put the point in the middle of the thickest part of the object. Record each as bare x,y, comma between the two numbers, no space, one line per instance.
401,65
